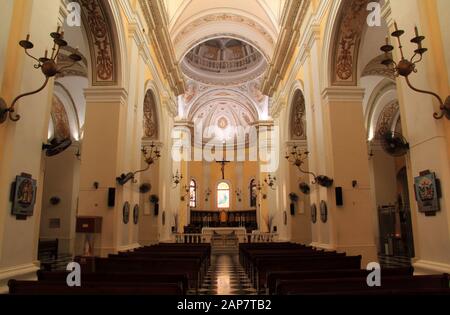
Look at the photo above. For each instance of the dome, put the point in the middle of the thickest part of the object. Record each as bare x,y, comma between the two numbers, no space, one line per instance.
223,61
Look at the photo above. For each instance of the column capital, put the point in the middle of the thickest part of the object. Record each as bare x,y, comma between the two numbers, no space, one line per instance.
343,93
106,95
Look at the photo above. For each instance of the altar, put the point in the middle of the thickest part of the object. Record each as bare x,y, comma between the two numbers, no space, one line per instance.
239,232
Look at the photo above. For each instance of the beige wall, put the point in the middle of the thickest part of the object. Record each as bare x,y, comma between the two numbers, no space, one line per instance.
61,180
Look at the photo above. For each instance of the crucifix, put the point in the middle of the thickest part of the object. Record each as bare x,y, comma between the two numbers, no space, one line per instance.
223,163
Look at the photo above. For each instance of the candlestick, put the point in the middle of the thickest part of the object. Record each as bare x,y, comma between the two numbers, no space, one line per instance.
28,37
417,31
395,25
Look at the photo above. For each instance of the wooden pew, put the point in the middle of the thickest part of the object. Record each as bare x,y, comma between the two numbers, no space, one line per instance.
273,278
299,287
93,288
263,267
60,277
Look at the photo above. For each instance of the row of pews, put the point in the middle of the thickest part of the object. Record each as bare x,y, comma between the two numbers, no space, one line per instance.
293,269
163,269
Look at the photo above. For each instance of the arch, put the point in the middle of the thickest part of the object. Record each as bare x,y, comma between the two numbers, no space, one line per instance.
297,119
384,93
297,85
150,86
223,195
150,121
345,28
107,42
252,193
193,193
209,24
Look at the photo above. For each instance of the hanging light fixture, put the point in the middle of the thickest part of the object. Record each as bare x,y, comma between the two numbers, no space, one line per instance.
297,157
405,67
48,66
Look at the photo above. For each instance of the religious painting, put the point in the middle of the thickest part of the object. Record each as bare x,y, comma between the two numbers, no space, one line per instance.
23,196
426,188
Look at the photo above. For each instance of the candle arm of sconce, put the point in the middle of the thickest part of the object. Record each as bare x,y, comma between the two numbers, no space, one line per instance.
11,108
441,103
143,170
309,173
32,57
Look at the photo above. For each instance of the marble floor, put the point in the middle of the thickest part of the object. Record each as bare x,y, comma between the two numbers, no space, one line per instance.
226,277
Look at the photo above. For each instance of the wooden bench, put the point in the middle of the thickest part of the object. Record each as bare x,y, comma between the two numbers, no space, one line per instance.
93,288
299,287
49,247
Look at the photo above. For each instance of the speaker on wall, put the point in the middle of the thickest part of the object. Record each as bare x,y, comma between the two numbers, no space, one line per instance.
111,197
339,197
292,209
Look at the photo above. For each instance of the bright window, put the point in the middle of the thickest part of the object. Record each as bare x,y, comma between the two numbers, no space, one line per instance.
253,193
193,194
223,195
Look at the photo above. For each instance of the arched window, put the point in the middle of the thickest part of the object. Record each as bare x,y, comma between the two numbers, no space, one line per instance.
193,194
253,193
223,195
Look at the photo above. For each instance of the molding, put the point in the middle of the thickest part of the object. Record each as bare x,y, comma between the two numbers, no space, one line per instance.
343,93
430,267
106,95
155,16
20,272
293,17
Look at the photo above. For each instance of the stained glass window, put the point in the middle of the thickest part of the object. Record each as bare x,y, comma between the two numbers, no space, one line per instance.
223,196
193,194
253,193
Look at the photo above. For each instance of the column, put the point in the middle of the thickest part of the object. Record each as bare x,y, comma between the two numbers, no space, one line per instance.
21,142
349,228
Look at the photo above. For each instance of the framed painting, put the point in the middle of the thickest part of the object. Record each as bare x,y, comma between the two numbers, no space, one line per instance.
427,190
23,196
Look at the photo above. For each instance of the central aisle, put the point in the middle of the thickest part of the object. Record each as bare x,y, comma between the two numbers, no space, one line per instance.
226,277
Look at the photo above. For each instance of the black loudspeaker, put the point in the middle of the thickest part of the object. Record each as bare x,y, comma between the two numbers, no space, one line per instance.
111,197
339,197
292,209
156,209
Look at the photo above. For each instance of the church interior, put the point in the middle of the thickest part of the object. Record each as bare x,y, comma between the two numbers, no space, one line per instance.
224,147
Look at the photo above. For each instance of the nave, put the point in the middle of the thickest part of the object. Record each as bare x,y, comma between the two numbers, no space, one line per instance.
259,269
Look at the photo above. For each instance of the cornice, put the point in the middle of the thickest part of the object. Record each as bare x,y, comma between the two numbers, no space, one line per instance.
157,22
137,32
106,95
343,93
293,16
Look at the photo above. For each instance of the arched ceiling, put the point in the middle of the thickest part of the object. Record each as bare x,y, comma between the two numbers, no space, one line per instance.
255,21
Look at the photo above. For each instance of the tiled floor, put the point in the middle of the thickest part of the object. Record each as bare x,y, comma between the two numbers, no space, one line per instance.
226,277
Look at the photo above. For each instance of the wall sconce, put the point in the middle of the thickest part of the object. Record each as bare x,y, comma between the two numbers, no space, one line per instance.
270,181
405,67
298,157
186,190
176,179
48,67
150,157
207,194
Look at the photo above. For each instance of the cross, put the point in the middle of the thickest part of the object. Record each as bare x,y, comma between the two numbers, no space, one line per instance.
223,163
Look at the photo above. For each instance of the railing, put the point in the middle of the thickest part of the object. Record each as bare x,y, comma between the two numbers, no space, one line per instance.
255,237
261,237
189,238
228,66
